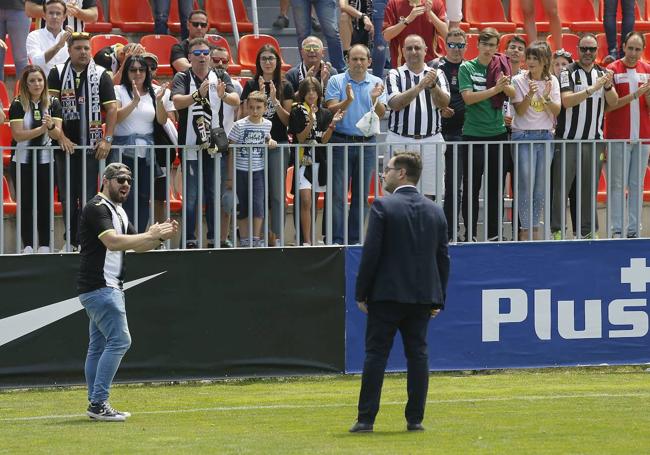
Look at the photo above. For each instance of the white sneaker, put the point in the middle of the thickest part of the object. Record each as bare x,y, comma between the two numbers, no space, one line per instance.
28,250
43,250
306,244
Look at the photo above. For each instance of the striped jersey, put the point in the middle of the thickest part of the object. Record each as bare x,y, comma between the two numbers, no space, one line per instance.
421,116
585,120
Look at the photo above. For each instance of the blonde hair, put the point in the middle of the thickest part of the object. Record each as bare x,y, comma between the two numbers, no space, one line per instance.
257,96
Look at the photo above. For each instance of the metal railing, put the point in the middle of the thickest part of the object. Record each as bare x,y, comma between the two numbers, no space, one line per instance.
502,209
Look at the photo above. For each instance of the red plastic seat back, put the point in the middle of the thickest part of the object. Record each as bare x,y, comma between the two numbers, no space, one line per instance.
102,25
160,45
99,42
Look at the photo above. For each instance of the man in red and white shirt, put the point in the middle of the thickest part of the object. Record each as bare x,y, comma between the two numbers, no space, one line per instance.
628,120
426,18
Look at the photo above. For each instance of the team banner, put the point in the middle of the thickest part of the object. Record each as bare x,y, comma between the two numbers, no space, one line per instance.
192,314
514,305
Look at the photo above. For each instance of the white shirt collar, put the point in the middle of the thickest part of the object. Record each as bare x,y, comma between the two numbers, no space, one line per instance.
403,186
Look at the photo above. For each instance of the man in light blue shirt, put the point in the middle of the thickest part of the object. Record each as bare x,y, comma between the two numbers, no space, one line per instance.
354,92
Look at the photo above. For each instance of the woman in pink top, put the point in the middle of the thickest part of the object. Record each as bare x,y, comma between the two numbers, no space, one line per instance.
537,103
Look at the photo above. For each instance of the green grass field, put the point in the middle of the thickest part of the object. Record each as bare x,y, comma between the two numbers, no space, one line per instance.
555,411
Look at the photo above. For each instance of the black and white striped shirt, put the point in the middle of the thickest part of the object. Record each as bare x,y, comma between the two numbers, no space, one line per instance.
421,116
585,120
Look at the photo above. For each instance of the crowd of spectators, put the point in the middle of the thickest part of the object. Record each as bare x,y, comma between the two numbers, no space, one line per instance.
500,110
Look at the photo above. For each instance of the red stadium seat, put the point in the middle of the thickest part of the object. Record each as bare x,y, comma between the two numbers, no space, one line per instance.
5,141
160,45
503,41
131,16
233,68
220,16
603,52
248,47
579,16
487,13
569,42
471,50
8,203
98,42
10,66
4,98
101,26
541,19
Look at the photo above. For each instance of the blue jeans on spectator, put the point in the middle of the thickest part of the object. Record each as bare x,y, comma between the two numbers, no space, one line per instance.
15,23
140,191
625,175
339,194
192,197
257,209
328,16
537,158
609,21
109,339
161,15
379,45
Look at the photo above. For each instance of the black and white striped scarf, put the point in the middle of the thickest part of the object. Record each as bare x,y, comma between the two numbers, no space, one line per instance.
92,118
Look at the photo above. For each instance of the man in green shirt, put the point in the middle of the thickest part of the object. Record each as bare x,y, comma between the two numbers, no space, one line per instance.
483,123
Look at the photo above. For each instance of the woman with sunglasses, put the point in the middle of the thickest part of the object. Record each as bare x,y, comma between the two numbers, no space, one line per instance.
268,79
35,119
537,103
139,105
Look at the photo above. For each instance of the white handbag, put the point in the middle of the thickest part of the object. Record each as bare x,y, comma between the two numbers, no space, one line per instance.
369,123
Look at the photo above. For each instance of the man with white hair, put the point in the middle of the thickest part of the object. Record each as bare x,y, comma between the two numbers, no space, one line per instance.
312,54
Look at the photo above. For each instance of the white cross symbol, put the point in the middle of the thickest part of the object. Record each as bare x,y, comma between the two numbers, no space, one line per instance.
637,275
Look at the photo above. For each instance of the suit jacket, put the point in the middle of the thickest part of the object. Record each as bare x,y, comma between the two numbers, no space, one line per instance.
405,256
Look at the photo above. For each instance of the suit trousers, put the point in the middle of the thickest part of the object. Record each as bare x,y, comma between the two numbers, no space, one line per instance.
384,319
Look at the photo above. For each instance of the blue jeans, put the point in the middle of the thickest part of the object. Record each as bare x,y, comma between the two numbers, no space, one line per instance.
192,196
328,16
109,339
339,194
141,191
609,21
625,175
15,23
379,45
161,15
538,159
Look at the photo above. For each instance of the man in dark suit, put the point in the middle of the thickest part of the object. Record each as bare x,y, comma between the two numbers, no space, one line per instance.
401,284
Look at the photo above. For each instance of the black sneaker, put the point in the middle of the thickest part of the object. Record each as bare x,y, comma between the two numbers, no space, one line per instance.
104,411
281,22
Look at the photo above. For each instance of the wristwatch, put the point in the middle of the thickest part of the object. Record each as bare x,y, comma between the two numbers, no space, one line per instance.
108,139
403,20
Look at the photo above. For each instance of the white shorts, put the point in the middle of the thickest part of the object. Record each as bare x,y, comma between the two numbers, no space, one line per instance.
433,159
305,184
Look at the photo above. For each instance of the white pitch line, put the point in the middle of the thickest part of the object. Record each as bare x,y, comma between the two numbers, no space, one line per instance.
344,405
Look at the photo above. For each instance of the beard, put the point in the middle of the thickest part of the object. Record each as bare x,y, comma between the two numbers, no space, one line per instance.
116,195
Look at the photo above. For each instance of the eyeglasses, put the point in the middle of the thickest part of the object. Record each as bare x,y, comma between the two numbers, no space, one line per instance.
137,69
269,58
585,49
198,52
218,60
388,168
562,53
199,24
456,45
124,179
413,48
311,48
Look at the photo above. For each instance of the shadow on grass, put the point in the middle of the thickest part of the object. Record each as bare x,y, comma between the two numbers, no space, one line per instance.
76,422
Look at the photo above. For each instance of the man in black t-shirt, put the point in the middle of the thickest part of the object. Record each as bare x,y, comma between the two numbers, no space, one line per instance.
197,24
105,234
85,91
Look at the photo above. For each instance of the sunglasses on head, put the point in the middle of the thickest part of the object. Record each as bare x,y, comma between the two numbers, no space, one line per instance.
588,49
124,179
198,52
82,35
199,24
562,53
219,60
456,45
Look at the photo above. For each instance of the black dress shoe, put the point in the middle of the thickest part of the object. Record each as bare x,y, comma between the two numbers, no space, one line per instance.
414,427
361,427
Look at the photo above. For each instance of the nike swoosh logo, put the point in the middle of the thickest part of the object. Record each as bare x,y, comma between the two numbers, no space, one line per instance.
21,324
